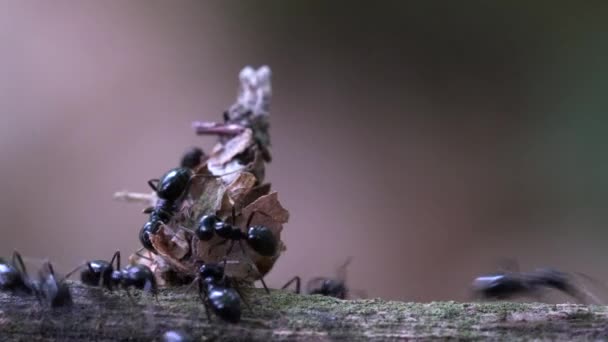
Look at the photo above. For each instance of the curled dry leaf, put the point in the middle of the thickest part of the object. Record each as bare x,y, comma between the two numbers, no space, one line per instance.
269,213
233,147
241,186
173,247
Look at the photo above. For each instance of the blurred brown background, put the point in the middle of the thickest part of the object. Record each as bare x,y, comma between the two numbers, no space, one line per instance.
425,140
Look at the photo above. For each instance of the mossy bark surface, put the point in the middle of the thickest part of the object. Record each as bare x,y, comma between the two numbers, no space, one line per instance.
98,315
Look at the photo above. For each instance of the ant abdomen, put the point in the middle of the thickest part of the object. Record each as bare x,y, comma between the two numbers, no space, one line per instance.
225,303
174,184
262,240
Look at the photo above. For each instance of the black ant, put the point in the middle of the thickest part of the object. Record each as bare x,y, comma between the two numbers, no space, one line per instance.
331,287
192,158
170,189
259,238
103,274
99,272
508,285
214,291
55,293
13,275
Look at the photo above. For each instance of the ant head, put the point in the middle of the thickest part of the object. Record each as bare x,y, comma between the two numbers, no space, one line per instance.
211,271
262,240
192,158
206,227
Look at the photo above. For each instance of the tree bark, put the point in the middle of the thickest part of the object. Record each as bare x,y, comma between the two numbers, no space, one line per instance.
98,315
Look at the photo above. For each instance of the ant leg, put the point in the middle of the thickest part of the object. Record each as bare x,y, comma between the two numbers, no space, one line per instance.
219,244
116,257
202,294
342,270
226,255
256,268
142,256
245,301
207,310
129,295
295,279
18,261
251,217
153,183
69,274
189,288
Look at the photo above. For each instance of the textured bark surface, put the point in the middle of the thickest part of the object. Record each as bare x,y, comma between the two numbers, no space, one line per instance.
98,315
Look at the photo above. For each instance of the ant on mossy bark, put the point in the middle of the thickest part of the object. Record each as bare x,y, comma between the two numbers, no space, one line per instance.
14,278
103,274
331,287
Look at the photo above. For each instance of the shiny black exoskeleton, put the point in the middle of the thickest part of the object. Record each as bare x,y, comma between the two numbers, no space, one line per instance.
176,336
215,292
55,293
192,158
99,272
171,189
13,275
259,238
513,284
137,276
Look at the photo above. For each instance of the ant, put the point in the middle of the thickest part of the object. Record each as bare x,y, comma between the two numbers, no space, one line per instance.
99,272
331,287
502,286
170,189
55,293
192,158
259,238
13,275
214,291
103,274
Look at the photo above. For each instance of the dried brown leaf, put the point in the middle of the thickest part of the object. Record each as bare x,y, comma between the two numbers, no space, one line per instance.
173,247
241,186
226,152
255,193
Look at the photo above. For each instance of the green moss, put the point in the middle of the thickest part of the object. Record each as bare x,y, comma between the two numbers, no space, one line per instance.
284,315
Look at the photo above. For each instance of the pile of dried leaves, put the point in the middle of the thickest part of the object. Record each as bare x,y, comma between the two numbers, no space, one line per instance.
230,179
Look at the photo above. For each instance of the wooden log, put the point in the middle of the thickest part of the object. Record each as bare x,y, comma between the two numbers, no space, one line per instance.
98,315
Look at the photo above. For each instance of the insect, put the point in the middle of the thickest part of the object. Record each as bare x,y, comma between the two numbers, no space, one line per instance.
49,289
192,158
170,189
13,275
176,336
137,276
99,272
507,285
259,238
214,291
331,287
